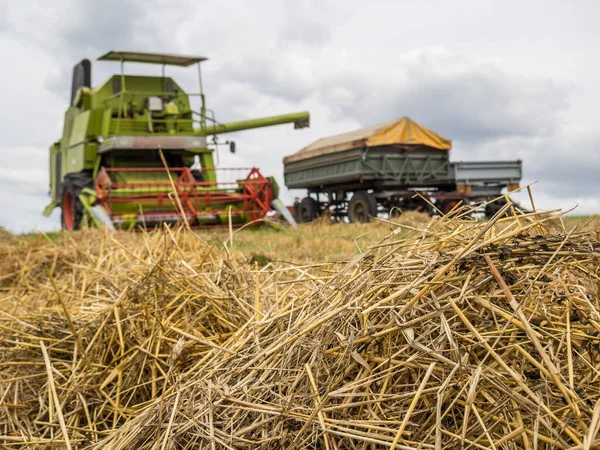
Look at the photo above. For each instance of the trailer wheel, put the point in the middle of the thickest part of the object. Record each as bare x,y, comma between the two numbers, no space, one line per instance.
71,207
492,209
308,210
362,207
447,206
421,205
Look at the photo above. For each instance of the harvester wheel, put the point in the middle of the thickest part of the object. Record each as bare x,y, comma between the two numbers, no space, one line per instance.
71,207
308,210
362,207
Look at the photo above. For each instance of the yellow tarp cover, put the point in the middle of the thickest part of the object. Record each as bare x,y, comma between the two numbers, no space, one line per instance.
403,131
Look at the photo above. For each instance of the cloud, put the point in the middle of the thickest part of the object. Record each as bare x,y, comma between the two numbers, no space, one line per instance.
24,197
90,28
291,80
4,17
568,162
308,22
466,99
103,26
339,62
463,98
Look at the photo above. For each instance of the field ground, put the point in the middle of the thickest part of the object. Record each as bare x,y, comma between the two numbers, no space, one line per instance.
321,242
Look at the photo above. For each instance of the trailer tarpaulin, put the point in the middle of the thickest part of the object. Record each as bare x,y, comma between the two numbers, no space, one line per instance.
402,132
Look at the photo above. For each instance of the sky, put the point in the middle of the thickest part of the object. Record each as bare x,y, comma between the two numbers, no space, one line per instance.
504,80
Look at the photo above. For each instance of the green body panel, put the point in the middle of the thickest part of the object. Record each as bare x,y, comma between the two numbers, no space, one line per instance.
80,128
55,165
122,123
70,116
378,168
207,162
105,122
275,186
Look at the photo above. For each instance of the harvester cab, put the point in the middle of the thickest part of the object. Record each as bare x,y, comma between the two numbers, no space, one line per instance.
134,153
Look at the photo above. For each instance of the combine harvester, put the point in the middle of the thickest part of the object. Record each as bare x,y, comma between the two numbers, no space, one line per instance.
109,167
380,169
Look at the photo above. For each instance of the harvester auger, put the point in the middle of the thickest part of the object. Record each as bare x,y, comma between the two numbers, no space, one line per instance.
132,142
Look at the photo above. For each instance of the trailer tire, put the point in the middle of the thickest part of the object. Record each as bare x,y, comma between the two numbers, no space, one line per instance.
362,207
308,210
72,211
493,208
447,206
417,204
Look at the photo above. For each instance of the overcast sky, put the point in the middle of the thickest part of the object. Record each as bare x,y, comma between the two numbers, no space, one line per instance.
502,79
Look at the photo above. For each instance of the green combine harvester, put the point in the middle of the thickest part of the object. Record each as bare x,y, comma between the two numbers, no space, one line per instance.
131,143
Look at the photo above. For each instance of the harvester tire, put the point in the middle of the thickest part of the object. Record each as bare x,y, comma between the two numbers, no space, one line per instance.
308,210
71,207
362,207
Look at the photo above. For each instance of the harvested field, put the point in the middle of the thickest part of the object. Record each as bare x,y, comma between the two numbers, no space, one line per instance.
447,334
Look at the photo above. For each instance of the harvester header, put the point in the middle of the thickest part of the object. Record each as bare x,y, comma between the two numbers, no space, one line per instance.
109,165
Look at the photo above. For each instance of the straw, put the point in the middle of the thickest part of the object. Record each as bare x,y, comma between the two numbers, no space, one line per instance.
463,334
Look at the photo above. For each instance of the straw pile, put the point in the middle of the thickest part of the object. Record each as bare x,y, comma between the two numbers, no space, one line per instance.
463,335
97,325
5,235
